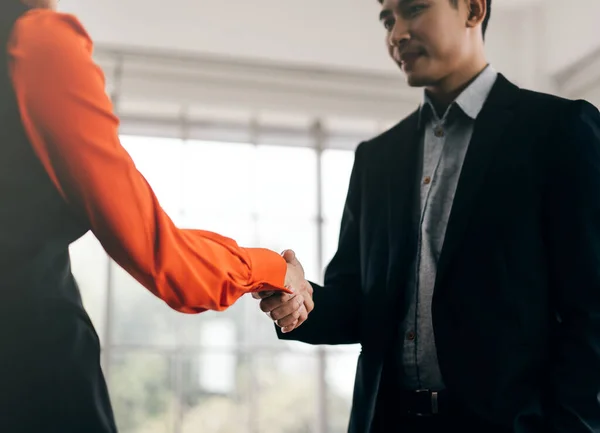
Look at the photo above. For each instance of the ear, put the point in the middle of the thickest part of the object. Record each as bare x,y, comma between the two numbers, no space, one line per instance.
477,12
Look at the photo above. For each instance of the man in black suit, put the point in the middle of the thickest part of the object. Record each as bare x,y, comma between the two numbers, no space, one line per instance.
468,265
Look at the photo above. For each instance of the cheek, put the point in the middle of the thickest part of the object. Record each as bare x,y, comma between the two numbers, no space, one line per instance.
386,42
438,36
388,47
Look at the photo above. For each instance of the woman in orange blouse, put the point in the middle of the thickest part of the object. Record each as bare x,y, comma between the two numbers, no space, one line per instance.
63,172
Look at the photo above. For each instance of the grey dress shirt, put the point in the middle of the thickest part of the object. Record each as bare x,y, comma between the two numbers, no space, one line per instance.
444,144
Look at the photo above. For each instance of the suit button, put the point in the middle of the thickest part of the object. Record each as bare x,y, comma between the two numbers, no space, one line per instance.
410,336
427,180
439,132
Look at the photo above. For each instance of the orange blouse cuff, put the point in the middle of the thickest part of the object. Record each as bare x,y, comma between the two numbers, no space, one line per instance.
268,270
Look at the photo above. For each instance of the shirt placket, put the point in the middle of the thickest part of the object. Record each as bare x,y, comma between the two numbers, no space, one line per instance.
435,140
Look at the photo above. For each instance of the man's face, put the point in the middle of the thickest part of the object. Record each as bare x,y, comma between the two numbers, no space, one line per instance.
426,38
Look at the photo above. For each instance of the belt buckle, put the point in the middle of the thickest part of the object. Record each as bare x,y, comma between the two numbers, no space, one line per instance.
434,408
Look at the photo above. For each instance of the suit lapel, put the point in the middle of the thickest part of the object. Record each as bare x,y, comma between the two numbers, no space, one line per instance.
403,158
490,127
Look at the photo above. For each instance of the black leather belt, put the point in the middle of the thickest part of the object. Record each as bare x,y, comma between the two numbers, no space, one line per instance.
423,402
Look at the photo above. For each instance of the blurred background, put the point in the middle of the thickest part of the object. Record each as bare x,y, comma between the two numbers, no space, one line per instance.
243,116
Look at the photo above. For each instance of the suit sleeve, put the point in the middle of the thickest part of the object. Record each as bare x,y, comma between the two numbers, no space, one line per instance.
70,123
573,234
336,316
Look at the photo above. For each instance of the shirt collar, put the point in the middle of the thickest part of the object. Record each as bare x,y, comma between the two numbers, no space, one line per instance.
472,99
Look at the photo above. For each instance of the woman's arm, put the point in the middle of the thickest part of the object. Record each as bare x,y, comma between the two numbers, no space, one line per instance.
70,123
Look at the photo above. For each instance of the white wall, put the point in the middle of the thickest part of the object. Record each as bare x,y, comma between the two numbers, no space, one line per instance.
332,33
572,30
343,33
528,40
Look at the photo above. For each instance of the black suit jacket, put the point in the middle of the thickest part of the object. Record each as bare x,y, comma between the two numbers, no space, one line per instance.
516,308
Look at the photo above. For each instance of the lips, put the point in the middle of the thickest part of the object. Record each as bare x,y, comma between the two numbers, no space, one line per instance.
408,59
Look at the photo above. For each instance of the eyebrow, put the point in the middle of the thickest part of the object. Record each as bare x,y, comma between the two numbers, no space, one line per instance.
384,14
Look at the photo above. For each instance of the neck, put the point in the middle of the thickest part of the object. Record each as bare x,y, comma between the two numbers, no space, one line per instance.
443,93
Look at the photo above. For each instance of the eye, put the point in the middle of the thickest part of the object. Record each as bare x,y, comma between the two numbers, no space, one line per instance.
388,24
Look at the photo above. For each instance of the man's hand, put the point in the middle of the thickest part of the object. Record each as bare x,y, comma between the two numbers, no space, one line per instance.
289,311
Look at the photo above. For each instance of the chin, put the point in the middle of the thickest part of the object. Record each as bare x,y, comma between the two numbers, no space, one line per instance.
416,80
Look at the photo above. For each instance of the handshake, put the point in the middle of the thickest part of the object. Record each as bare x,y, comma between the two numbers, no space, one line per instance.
289,311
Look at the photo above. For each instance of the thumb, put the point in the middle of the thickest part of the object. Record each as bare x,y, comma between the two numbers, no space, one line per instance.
289,256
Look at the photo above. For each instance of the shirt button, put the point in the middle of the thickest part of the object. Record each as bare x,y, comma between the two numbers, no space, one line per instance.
427,180
410,336
439,132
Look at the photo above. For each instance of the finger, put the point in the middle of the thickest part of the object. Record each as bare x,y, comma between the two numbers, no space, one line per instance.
302,316
274,301
289,255
262,295
309,303
290,319
289,328
287,308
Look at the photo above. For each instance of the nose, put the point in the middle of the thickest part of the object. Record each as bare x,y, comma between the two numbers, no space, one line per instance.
399,34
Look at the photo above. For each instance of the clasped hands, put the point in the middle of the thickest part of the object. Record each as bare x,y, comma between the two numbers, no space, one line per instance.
289,311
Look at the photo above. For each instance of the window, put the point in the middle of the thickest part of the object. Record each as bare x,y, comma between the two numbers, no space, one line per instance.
223,372
336,167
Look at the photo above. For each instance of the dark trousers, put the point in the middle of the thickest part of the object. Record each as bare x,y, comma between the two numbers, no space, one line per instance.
50,375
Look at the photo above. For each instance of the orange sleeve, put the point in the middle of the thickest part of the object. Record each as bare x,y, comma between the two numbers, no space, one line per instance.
70,123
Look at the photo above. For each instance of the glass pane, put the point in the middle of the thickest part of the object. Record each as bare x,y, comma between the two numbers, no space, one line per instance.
90,267
142,392
160,161
336,168
286,181
211,330
214,392
341,371
241,229
140,318
218,178
331,235
284,393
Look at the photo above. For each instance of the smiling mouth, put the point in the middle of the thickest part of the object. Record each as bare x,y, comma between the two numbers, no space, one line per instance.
409,58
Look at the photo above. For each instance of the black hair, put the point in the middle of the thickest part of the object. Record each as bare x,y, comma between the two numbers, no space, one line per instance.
486,20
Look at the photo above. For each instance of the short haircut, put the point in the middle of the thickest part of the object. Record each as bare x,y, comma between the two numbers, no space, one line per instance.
486,20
